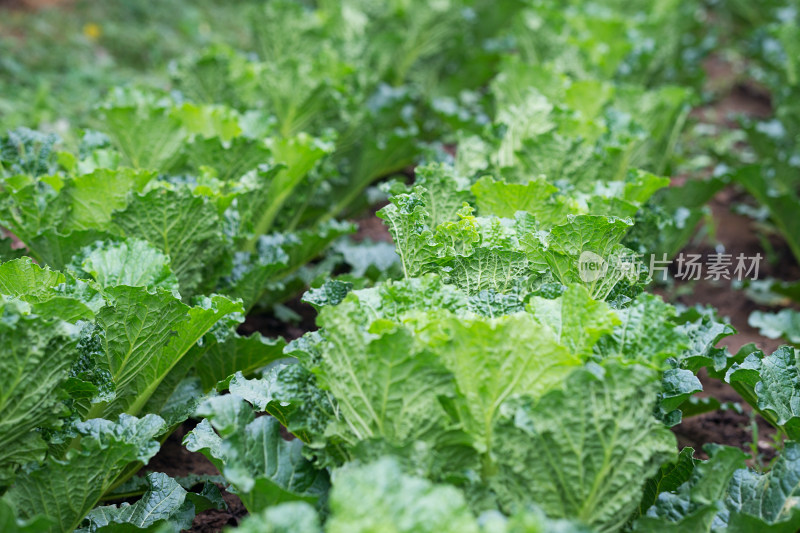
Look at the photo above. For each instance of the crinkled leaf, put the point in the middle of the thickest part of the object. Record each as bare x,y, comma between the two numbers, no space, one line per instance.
670,476
772,385
380,497
407,218
290,517
27,280
93,198
614,445
147,134
677,386
495,360
576,319
385,384
695,504
133,262
504,199
646,333
332,292
37,355
67,490
186,228
165,503
145,336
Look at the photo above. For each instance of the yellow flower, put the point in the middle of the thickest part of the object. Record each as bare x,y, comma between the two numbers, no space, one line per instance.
92,31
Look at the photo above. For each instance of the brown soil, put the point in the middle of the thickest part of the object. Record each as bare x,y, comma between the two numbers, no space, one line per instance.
270,325
736,95
371,227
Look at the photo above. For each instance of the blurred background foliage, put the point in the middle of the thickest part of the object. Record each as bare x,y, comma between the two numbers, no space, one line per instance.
57,59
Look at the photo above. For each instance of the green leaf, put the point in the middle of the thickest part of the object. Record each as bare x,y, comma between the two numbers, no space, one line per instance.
677,386
444,191
780,204
93,198
722,495
290,517
145,336
767,502
332,292
704,330
264,468
165,502
184,227
26,151
458,238
277,256
380,497
146,132
586,250
406,218
646,333
134,262
576,320
783,324
504,199
251,273
671,219
231,160
670,476
56,250
489,270
614,444
138,485
181,403
771,384
209,121
29,206
9,521
37,355
289,392
385,384
25,279
694,505
66,490
495,360
298,155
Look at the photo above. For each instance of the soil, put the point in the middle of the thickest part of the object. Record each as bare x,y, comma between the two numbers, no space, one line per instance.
372,228
270,325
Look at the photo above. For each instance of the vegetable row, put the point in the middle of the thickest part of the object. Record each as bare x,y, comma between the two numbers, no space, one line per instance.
473,379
